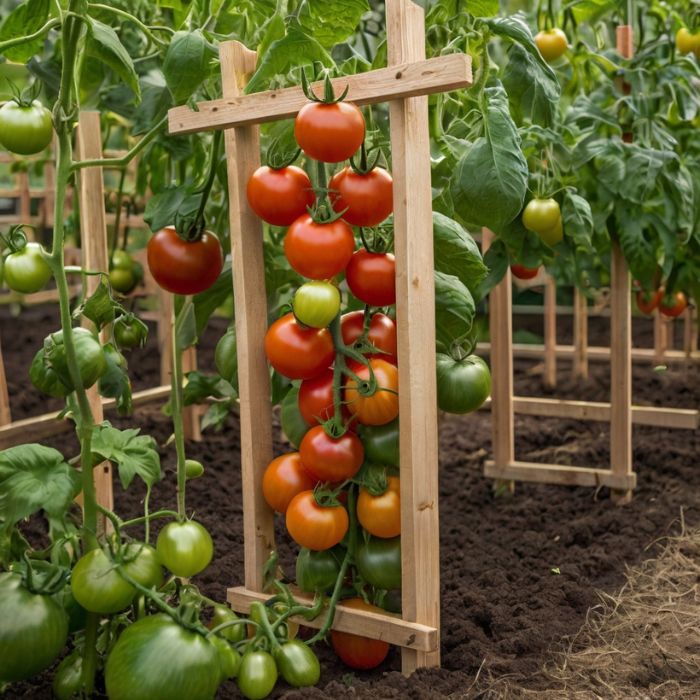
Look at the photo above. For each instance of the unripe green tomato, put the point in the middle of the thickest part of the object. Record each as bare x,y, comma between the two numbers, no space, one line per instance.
193,469
26,271
122,280
541,214
185,548
121,260
316,303
257,675
25,129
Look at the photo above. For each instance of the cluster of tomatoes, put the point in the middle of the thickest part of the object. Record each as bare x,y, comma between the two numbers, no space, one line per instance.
345,366
668,305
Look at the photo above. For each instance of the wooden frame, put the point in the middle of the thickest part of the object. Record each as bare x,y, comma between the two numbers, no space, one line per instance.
405,83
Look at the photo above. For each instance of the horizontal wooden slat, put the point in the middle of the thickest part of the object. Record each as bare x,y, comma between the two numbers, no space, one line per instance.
384,626
560,474
438,74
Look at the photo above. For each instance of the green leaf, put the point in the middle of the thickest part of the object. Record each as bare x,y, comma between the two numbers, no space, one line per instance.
156,100
24,20
454,309
216,415
482,8
535,92
34,477
294,50
578,221
207,302
99,307
331,23
187,331
201,387
187,64
104,45
456,253
490,181
162,208
134,454
496,260
115,383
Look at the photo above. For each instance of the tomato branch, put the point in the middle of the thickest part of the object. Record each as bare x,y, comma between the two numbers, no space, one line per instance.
147,30
16,41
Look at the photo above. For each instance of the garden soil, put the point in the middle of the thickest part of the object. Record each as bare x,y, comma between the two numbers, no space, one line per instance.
518,573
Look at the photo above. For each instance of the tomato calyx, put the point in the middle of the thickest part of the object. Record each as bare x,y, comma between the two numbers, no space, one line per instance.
278,159
365,166
329,97
41,577
15,239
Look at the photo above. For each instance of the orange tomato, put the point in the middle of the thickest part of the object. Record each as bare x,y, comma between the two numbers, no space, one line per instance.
313,526
284,478
383,405
381,515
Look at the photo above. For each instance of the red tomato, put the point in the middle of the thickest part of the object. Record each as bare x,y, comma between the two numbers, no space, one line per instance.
673,306
316,398
181,267
372,277
524,273
313,526
280,196
329,132
319,251
298,352
283,479
331,459
359,652
382,406
381,515
648,301
368,199
382,333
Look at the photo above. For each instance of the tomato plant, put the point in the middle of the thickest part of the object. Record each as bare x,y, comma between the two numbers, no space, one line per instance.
328,458
380,514
373,397
185,548
316,572
365,199
25,129
359,652
283,479
462,384
673,305
313,526
381,333
279,196
372,277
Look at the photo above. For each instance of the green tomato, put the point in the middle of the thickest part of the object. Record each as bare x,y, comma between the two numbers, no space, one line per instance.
122,281
25,130
541,215
98,586
185,548
554,235
122,260
229,658
68,680
77,614
226,359
234,633
45,378
89,353
379,562
33,630
26,271
462,385
297,663
316,304
381,443
316,572
292,422
193,469
129,332
142,564
257,675
158,659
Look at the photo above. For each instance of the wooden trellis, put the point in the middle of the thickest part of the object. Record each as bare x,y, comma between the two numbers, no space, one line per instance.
405,84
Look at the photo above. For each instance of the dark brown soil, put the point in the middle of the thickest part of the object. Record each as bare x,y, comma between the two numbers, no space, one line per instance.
518,574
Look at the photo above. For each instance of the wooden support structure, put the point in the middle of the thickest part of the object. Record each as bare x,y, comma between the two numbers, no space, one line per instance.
405,84
5,414
580,363
550,332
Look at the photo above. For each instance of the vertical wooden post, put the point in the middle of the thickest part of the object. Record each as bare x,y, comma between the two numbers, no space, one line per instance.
5,415
243,157
25,198
690,331
661,331
415,313
501,332
580,364
95,257
550,332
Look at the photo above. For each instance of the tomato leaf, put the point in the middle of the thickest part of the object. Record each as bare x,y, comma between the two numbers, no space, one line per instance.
98,308
496,259
200,387
188,63
32,478
115,383
331,25
104,45
162,207
293,425
25,19
216,414
454,309
490,181
456,253
578,221
156,100
207,302
133,454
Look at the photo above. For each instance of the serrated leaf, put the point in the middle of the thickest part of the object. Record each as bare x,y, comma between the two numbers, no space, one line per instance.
155,102
162,208
104,45
34,477
454,309
578,221
187,64
99,307
134,454
200,387
25,19
331,25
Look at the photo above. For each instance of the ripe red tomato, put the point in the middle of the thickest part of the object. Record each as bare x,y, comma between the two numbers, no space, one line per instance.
382,333
372,277
181,267
648,301
283,479
381,515
298,352
313,526
329,132
280,196
319,251
382,406
673,306
359,652
316,398
368,199
331,459
524,273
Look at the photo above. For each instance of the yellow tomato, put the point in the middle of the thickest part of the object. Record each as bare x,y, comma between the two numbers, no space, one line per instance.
552,44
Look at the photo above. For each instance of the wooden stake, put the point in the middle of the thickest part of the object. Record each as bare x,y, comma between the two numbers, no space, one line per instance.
550,332
415,314
5,415
95,257
580,363
661,333
243,157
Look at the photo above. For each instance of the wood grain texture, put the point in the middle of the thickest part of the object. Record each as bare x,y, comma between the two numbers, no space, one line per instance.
249,293
550,332
95,257
5,414
401,79
385,626
579,366
415,313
